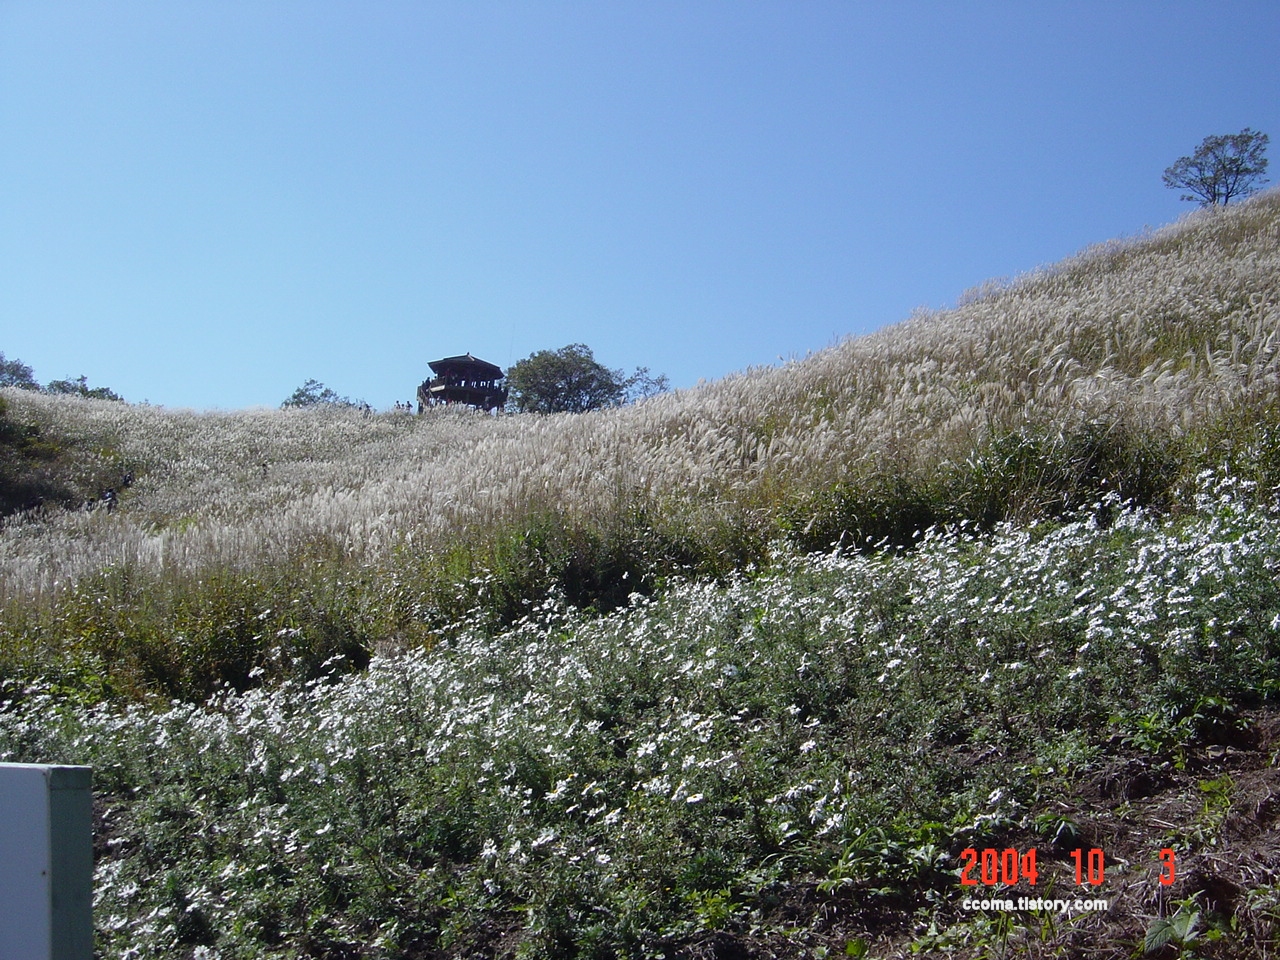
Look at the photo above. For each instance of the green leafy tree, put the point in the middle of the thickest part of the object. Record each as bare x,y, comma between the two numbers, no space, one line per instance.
571,380
79,386
1222,168
15,373
314,393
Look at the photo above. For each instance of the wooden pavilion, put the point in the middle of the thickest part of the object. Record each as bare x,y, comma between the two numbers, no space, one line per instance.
466,380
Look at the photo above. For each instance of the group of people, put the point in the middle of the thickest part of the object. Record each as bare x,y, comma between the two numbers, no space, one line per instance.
406,407
109,497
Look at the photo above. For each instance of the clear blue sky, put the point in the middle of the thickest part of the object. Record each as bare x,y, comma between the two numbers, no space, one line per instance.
206,203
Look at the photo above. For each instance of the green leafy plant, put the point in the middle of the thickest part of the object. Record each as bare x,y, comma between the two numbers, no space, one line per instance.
1217,798
1183,930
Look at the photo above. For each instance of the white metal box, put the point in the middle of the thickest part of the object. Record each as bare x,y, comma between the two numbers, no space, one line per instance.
46,862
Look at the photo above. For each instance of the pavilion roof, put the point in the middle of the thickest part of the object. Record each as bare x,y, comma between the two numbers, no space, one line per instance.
478,369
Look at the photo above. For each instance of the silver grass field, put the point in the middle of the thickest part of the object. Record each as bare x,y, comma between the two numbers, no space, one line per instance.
1154,334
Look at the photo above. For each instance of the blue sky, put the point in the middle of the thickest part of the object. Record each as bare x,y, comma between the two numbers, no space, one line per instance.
204,204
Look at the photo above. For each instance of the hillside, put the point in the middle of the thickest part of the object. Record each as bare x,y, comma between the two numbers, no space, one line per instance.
741,671
1125,369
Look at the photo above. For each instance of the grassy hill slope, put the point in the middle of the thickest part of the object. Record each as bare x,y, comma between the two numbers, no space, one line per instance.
609,705
791,763
1126,369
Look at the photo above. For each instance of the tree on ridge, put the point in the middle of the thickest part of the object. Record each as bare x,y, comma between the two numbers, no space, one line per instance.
571,380
1222,168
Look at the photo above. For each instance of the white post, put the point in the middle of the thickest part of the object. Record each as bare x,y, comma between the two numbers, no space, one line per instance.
46,862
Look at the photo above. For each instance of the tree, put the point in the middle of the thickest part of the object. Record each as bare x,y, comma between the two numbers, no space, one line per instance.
79,387
571,380
15,373
642,384
566,380
314,393
1221,168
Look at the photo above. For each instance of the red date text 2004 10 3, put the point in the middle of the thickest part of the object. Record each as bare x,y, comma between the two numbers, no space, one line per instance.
1007,867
